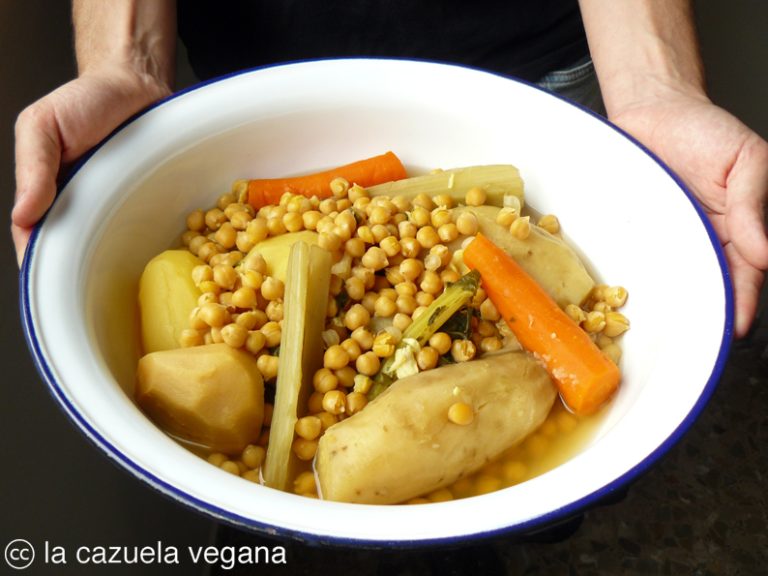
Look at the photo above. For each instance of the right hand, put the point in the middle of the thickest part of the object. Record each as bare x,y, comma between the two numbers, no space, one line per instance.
57,129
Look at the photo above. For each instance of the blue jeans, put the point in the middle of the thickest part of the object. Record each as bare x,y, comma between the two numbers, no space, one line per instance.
578,83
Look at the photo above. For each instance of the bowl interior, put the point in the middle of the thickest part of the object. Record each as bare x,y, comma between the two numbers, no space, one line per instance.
622,209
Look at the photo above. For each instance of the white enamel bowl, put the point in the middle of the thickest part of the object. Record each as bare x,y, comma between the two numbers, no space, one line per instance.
625,211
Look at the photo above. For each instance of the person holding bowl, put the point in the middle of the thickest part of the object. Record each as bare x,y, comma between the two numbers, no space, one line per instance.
649,78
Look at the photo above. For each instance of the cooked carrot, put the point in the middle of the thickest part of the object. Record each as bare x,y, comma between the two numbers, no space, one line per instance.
368,172
585,377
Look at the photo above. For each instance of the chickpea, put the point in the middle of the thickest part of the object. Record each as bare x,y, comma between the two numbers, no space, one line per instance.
550,223
488,311
334,402
363,337
466,224
384,307
379,215
449,276
272,333
411,268
406,304
214,315
355,247
406,229
214,218
308,427
352,348
420,216
448,232
267,365
304,449
196,243
369,301
424,201
208,250
463,350
521,227
355,402
367,275
475,196
390,245
401,321
275,310
431,283
375,258
461,413
384,344
253,456
443,200
427,237
440,216
335,357
506,216
272,288
594,322
427,358
368,364
380,232
196,220
324,380
234,335
255,342
346,376
226,235
423,299
615,296
409,247
244,297
490,344
355,288
202,273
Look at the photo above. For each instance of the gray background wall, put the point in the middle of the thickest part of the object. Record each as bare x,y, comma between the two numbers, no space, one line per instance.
54,486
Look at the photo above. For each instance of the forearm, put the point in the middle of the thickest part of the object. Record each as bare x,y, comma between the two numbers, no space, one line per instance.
134,35
643,50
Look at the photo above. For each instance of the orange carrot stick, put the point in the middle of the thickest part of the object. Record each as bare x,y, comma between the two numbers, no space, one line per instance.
585,377
368,172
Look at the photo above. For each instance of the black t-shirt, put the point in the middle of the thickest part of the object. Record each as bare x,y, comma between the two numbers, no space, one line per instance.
523,38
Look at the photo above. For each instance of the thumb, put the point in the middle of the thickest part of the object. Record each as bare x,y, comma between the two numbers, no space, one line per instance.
747,187
38,155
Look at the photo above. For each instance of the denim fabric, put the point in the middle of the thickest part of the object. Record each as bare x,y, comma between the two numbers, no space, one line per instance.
577,83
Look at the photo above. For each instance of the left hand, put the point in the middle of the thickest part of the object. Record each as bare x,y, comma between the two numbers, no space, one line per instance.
725,165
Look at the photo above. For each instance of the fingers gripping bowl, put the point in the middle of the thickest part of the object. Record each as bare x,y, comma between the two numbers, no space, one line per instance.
618,205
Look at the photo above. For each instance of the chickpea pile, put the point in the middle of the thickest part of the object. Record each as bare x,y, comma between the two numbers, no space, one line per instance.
392,256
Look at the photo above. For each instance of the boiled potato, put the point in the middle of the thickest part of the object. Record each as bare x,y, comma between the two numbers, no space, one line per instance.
167,295
403,444
275,250
548,259
211,395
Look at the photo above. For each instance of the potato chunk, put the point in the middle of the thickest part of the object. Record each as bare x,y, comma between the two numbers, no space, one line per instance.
405,443
275,250
211,395
167,296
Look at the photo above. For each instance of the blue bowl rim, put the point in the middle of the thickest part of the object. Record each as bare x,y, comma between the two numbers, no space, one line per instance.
537,524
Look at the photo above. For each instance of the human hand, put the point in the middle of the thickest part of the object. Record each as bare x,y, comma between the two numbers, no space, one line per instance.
57,129
725,165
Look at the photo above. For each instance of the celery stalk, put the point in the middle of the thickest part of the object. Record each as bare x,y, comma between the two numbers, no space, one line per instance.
498,180
301,349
